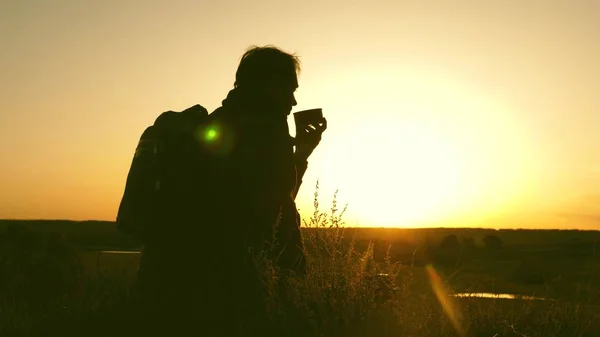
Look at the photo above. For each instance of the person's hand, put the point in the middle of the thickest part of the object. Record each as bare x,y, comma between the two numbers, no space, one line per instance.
308,137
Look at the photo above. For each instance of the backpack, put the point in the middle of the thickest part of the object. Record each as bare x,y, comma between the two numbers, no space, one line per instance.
157,170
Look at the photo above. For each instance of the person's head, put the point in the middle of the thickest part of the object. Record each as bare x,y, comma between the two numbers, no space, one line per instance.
272,71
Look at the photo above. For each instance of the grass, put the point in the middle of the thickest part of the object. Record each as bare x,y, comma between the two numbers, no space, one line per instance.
347,292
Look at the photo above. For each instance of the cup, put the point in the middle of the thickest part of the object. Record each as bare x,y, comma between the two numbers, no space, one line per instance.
308,117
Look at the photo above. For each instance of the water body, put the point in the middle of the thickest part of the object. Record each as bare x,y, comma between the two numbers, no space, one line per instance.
499,296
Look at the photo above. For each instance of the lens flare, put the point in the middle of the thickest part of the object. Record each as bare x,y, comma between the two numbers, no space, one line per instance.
215,138
211,134
445,300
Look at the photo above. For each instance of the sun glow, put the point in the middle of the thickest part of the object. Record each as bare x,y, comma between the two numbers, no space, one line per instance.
419,149
409,173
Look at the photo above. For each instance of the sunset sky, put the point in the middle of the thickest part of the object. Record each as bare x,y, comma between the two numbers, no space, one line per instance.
441,113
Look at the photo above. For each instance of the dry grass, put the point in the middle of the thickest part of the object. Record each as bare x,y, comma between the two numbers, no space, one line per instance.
345,293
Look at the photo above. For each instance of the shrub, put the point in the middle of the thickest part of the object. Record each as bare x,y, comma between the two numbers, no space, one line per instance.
492,242
344,290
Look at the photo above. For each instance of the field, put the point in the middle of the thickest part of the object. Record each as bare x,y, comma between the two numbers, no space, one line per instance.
72,278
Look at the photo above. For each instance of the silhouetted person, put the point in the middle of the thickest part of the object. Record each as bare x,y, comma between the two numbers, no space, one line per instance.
260,173
230,188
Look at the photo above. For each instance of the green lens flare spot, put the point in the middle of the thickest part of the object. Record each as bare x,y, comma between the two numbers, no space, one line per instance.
211,134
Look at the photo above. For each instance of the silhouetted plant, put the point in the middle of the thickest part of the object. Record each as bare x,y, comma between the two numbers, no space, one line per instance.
492,242
341,282
450,243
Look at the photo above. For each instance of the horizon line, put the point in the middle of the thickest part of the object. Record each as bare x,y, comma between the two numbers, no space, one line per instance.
362,227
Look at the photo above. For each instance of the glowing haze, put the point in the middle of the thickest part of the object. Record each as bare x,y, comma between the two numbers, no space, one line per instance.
447,113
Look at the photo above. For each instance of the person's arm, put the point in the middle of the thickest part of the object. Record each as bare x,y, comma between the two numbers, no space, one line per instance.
301,166
306,141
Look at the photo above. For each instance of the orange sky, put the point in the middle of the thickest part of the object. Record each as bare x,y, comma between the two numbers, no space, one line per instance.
462,113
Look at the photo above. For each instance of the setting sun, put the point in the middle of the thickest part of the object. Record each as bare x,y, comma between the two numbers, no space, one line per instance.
409,173
436,116
428,150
